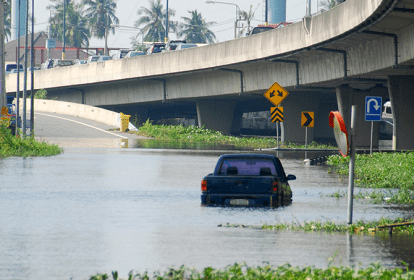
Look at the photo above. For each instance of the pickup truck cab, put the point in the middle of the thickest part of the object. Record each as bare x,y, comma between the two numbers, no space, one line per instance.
247,180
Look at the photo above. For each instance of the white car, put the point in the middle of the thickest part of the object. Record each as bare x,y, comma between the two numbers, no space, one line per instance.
104,58
185,46
134,53
93,58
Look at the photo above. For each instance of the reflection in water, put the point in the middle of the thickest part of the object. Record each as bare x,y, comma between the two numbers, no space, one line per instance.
97,210
177,144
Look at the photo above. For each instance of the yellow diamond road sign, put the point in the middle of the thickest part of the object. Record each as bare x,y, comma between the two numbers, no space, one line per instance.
276,94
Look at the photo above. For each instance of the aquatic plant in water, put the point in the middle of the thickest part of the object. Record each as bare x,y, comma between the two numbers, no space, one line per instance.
197,134
15,146
267,271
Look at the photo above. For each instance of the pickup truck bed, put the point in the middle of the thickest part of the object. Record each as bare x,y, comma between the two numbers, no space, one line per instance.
247,179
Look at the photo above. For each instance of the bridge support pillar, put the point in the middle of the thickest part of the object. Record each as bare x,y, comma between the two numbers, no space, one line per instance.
346,97
319,103
219,115
401,90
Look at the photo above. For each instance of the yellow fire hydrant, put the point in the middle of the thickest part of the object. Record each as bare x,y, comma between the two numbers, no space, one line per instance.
124,121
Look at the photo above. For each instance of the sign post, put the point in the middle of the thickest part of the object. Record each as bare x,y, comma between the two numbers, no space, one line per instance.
373,105
307,120
276,94
341,136
276,114
351,166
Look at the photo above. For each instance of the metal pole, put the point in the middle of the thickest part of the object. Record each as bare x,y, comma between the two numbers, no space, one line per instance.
277,135
64,30
32,76
18,72
306,143
25,70
308,7
351,165
166,27
266,12
3,99
372,136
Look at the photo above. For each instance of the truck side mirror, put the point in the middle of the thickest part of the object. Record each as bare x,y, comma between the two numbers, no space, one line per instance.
291,177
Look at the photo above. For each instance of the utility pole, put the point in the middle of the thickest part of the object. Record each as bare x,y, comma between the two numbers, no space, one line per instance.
3,101
25,71
166,27
18,73
64,29
32,49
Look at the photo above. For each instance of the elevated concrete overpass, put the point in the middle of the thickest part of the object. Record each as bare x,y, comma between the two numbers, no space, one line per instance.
327,62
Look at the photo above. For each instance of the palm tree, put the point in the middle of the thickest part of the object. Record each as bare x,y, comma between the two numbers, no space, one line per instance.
195,29
329,4
154,20
248,16
7,19
101,16
76,31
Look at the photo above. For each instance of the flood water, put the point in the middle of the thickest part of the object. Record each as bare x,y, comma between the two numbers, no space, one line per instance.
91,211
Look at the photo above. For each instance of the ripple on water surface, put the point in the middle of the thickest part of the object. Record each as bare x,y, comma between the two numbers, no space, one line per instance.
97,210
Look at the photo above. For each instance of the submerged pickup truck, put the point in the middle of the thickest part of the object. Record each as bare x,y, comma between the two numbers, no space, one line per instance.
247,180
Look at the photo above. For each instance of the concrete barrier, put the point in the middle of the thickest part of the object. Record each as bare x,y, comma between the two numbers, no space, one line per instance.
77,110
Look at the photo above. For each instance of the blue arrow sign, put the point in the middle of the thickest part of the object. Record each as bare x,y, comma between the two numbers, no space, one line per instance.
373,106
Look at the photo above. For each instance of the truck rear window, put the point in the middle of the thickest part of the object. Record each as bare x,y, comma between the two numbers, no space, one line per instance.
248,166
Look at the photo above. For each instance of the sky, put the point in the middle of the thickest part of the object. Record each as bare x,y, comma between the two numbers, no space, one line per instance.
222,14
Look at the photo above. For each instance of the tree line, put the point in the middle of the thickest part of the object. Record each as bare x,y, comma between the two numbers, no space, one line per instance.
85,19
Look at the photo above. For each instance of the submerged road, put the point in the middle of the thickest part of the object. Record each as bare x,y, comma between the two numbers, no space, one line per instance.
70,131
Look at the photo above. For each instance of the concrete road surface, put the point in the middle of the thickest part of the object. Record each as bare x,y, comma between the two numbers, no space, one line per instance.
69,131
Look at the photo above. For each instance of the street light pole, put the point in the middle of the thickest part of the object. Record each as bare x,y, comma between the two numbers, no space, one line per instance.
3,99
166,27
237,7
64,31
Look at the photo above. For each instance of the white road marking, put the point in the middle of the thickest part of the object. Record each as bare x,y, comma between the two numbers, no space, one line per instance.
82,124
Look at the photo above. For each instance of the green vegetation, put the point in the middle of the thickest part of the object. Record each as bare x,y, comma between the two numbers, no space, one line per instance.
15,146
359,227
194,134
384,171
266,271
40,94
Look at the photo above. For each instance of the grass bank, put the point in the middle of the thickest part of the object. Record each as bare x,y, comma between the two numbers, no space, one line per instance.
392,173
266,271
194,134
16,146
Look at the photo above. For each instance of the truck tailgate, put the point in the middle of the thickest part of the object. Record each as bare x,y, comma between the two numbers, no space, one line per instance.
239,184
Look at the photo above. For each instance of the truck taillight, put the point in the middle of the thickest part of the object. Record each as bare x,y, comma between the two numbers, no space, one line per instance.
204,186
274,186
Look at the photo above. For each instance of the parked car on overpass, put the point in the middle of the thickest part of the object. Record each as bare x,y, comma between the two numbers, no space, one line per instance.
10,66
121,53
156,48
185,46
92,58
79,62
134,53
172,45
104,58
62,63
15,71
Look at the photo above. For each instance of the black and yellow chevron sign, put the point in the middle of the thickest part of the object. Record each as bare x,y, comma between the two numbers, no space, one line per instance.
276,114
